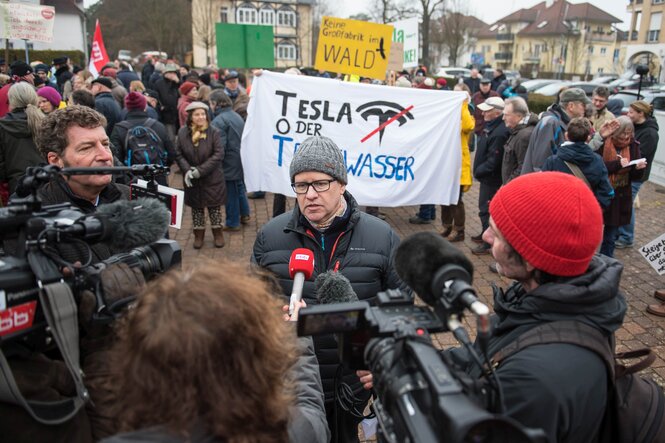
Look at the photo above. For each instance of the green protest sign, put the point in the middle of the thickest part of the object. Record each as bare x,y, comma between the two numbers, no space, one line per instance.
245,46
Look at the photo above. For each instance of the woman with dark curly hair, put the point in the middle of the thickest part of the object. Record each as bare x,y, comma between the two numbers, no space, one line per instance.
205,356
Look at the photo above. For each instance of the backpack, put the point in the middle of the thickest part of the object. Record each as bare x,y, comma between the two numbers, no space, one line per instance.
142,144
635,410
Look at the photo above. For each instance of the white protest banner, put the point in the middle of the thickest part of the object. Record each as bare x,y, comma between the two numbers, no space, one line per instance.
402,146
29,22
654,253
406,32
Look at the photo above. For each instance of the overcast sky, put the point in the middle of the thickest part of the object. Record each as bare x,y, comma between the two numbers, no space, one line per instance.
491,10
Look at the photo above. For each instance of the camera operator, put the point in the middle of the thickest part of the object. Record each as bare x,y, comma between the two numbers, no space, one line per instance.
544,231
328,221
181,375
74,137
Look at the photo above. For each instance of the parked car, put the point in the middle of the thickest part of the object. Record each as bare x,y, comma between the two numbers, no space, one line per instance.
632,83
489,73
453,72
552,89
655,97
537,83
140,59
125,55
605,79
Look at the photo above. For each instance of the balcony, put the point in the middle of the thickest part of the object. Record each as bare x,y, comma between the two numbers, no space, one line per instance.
503,56
600,37
530,57
505,37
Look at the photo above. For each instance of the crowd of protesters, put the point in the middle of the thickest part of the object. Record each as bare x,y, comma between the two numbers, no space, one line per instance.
194,120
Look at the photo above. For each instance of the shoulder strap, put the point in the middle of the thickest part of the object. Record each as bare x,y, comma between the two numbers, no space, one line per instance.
570,332
61,314
123,124
578,173
149,122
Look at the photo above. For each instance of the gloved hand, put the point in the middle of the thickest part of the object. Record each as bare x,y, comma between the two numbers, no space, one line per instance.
193,173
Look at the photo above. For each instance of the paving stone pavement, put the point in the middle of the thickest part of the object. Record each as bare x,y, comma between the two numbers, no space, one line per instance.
638,283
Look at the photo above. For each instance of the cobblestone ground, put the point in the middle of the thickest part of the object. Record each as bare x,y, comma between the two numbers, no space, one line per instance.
638,283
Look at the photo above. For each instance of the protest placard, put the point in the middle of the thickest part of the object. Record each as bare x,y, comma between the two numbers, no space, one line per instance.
406,32
654,253
245,46
401,146
25,21
353,47
396,60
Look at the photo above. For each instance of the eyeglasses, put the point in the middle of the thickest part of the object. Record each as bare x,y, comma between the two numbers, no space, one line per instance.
319,186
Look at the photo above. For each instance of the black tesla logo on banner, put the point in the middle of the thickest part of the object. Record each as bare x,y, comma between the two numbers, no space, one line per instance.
386,113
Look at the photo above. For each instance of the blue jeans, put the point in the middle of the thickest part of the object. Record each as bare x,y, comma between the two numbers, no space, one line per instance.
236,202
609,238
627,232
427,212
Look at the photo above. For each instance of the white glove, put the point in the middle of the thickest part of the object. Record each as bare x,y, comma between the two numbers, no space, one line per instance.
193,173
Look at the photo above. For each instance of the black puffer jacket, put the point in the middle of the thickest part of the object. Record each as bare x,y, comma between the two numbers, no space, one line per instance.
558,387
647,134
17,148
489,154
365,251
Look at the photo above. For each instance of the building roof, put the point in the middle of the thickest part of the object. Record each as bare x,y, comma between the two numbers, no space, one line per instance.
544,20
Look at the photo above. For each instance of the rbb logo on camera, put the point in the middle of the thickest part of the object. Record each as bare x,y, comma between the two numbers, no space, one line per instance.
17,318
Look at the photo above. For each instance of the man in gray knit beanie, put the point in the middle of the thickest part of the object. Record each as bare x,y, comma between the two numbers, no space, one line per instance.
328,221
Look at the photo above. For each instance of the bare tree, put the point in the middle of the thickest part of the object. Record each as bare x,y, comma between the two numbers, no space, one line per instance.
429,9
454,32
388,11
203,25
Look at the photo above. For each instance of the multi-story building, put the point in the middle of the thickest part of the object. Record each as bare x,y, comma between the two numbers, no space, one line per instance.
291,21
646,39
554,36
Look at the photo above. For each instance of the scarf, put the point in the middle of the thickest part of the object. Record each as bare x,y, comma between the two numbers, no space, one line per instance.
198,133
610,153
325,224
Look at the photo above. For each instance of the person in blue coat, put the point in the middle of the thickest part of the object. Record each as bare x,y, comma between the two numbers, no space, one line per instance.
575,151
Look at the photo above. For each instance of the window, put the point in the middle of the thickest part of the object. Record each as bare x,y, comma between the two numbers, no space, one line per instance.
599,29
616,54
656,2
590,49
544,47
658,103
286,18
542,24
246,15
536,50
485,49
600,70
266,16
286,51
654,27
603,51
224,14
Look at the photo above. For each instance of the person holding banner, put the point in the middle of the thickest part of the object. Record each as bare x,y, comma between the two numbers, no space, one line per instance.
328,221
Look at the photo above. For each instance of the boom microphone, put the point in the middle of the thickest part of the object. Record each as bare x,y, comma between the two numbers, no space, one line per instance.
420,256
134,223
301,267
332,287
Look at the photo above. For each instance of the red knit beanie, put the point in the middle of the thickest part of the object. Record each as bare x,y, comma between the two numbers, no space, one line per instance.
551,219
134,101
186,87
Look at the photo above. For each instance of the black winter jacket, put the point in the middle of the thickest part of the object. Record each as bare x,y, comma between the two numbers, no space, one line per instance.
364,253
515,148
230,125
168,98
106,105
138,118
647,134
560,388
489,153
589,162
17,148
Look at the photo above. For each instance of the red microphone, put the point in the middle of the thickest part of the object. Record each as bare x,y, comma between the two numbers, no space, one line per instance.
301,267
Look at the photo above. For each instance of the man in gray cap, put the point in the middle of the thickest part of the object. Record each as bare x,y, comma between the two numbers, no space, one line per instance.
327,221
551,129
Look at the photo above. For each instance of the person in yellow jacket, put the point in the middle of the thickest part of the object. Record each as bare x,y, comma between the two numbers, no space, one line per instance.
453,217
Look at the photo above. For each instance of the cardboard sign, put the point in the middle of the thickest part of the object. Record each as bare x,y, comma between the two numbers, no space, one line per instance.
29,22
406,32
654,253
245,46
353,47
396,61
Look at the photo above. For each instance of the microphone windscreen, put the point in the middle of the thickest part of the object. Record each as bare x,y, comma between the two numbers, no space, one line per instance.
302,260
420,255
332,287
135,223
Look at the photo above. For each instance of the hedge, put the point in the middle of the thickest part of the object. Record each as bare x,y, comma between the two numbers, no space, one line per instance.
46,56
539,103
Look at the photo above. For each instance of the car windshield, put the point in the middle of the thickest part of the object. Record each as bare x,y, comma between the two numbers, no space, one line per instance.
627,99
551,89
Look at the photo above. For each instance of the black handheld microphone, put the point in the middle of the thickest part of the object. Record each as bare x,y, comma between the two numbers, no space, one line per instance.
332,287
